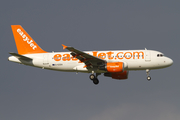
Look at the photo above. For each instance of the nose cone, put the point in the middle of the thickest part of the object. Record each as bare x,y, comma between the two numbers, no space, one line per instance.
169,62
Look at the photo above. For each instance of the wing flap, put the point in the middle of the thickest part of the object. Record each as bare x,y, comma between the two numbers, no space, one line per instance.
89,60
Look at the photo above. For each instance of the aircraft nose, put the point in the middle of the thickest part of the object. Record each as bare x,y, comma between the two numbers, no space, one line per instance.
169,62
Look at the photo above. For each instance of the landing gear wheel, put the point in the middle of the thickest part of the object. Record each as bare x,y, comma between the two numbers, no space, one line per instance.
148,78
92,76
148,72
96,81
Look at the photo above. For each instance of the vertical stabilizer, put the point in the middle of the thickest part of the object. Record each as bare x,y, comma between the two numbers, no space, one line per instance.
24,43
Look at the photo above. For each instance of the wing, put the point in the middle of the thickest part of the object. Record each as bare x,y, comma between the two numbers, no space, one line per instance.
89,60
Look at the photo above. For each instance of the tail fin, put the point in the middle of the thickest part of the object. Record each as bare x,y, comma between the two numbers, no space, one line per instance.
24,43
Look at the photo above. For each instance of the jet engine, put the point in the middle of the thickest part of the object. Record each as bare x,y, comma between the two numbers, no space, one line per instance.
120,76
113,67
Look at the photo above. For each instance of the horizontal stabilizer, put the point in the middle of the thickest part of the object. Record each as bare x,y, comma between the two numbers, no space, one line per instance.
20,56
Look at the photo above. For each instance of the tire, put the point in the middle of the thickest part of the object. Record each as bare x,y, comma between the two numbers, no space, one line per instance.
92,77
96,81
148,78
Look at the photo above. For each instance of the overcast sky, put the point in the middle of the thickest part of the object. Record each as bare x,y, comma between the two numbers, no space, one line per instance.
28,93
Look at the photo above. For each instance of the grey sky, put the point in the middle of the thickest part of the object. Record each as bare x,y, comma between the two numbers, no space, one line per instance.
28,93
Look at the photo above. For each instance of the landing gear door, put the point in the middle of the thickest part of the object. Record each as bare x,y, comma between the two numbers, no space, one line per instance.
45,60
148,56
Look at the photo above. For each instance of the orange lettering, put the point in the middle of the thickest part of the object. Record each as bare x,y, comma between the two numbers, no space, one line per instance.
126,56
94,53
118,55
109,55
101,55
57,57
134,53
74,59
66,57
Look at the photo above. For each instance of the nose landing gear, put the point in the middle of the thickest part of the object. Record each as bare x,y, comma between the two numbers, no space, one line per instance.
148,78
148,72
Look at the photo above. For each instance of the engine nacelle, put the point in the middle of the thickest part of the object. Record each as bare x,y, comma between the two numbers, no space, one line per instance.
113,67
120,76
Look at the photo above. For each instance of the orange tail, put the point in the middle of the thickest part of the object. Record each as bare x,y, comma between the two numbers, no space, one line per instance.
24,43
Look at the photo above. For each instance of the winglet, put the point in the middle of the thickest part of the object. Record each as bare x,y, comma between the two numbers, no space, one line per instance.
64,47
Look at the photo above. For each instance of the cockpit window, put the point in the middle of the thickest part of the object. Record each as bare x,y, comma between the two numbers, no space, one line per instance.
160,55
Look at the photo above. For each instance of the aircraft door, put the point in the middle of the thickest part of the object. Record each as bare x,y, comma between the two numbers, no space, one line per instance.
148,56
45,60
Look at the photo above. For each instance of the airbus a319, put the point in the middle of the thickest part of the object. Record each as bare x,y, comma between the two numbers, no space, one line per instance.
112,63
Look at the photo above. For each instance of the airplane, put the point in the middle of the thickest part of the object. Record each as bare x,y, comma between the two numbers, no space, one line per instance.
112,63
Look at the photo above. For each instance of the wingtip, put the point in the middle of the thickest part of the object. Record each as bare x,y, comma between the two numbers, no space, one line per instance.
64,47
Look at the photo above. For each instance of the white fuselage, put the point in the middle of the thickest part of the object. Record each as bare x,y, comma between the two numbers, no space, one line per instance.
114,64
63,61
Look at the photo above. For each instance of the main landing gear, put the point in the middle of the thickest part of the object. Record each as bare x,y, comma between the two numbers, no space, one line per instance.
148,72
94,78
